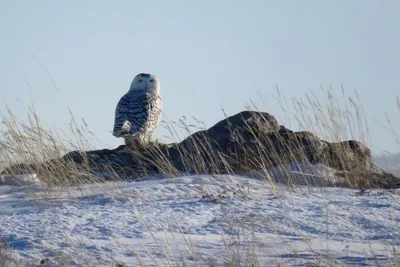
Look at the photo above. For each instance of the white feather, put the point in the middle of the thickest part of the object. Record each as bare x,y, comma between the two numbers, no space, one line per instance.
138,112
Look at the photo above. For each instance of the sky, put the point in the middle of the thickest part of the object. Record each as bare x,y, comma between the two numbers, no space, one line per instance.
212,58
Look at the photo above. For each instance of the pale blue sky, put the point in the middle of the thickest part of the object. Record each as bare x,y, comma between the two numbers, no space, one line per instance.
208,55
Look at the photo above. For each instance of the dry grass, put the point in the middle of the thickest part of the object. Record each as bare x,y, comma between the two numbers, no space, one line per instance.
4,251
335,120
31,143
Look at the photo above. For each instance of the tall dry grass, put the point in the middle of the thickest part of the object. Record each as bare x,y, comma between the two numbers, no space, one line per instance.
333,119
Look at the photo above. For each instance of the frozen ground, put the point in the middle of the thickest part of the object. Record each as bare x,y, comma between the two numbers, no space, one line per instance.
199,221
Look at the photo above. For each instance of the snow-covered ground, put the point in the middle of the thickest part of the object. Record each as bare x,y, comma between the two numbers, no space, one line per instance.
199,221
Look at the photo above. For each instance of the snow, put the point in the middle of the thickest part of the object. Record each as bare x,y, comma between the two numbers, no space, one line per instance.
199,221
29,179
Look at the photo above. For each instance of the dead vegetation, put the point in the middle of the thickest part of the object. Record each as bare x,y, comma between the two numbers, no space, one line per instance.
31,147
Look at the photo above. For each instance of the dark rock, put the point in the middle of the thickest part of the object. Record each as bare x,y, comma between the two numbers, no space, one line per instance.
244,143
20,169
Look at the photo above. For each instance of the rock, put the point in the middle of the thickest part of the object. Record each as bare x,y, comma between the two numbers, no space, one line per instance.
19,169
248,142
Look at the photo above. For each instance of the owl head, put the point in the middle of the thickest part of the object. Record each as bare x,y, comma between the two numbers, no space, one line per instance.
147,82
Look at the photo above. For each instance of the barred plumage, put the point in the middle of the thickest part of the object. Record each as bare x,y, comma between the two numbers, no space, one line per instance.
138,112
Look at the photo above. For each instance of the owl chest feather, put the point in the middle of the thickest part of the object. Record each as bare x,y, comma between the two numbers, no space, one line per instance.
142,110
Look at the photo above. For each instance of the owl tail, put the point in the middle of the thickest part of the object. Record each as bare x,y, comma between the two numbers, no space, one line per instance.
122,130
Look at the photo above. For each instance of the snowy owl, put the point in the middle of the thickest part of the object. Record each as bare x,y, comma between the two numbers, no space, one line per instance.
138,112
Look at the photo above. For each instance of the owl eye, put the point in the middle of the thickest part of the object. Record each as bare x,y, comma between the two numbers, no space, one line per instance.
151,80
140,81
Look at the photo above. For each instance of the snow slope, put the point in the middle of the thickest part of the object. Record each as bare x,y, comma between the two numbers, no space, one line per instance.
199,221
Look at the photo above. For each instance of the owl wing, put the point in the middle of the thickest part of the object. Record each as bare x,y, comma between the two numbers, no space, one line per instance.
134,111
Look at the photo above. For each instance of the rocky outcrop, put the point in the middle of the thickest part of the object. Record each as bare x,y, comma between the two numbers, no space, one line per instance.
247,142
